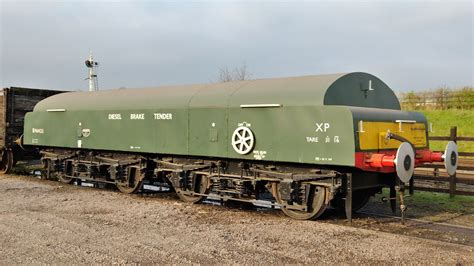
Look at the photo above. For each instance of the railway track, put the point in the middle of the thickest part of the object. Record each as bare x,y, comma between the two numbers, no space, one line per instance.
419,221
59,223
452,233
365,219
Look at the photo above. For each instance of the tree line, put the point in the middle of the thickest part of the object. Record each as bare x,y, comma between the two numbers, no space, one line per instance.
439,99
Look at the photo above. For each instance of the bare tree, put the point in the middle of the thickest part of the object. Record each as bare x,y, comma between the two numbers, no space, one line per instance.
225,75
410,100
236,74
464,98
441,98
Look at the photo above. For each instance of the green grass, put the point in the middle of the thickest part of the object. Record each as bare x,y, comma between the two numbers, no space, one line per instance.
436,202
442,202
443,120
431,206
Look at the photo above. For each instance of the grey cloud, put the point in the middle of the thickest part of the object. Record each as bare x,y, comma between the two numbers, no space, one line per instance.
410,45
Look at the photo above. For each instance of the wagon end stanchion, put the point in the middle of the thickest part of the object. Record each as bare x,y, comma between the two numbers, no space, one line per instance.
411,185
452,178
403,207
348,199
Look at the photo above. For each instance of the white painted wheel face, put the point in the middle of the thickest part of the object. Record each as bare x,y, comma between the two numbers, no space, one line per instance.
451,157
243,140
405,162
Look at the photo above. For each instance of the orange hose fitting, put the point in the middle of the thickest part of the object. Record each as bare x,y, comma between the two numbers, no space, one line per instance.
437,157
427,156
379,160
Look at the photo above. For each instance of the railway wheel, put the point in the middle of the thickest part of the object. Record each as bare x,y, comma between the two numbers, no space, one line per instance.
64,179
187,193
130,187
315,203
359,200
7,161
133,183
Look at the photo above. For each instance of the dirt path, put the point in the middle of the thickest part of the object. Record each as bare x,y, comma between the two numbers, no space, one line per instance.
45,222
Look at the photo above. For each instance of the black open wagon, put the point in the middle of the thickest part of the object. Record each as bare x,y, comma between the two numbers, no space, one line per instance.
15,102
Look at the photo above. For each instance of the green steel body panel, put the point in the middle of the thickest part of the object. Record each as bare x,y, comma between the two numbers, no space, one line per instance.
372,92
303,119
291,134
338,89
208,133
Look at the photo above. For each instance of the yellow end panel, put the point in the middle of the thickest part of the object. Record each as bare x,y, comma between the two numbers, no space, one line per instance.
373,135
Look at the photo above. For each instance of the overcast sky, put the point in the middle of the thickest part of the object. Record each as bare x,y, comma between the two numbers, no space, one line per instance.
410,45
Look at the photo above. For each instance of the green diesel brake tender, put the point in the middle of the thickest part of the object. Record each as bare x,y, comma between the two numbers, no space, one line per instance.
259,135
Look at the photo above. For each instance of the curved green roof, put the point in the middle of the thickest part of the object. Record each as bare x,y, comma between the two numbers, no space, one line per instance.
352,89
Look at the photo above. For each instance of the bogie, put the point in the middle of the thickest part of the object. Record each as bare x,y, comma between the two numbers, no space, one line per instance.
308,203
190,187
300,191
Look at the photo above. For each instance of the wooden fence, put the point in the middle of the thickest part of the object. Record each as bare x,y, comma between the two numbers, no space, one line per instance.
440,99
433,177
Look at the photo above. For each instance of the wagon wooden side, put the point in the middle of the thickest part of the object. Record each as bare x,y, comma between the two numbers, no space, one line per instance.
15,102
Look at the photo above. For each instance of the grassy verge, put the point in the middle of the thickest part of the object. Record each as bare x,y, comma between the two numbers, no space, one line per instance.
431,206
443,120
